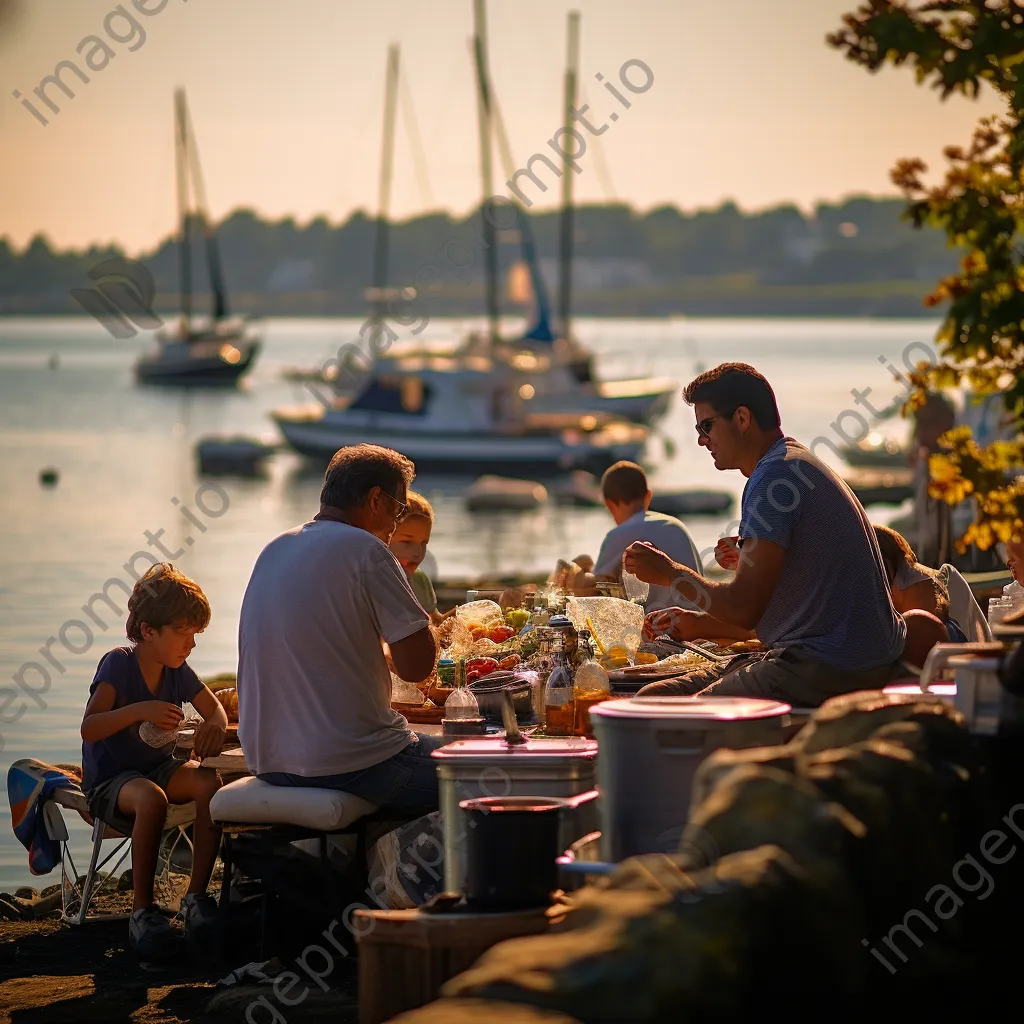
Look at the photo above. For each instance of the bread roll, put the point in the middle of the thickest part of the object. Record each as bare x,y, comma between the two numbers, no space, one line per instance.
229,702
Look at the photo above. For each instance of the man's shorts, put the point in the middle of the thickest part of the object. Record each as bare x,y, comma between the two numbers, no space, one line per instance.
103,796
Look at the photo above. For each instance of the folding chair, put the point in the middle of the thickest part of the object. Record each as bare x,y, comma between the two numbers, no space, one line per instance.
77,893
964,607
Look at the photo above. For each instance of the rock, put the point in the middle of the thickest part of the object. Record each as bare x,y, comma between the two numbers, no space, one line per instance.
47,905
662,945
472,1011
26,892
29,908
12,909
719,763
126,883
894,795
755,805
854,717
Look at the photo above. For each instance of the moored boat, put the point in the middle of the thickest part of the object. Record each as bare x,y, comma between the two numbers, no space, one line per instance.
192,353
502,494
692,502
468,422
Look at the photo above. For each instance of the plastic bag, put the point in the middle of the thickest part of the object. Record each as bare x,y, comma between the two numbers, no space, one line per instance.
481,613
613,621
406,866
404,692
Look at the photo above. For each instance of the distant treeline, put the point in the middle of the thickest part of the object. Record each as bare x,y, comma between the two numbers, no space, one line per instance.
853,258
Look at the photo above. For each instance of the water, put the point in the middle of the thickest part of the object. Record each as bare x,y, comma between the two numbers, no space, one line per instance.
125,454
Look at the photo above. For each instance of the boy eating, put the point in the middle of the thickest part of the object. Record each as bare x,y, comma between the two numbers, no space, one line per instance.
128,778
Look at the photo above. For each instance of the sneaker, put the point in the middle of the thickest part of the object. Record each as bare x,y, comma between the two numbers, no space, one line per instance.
201,915
150,934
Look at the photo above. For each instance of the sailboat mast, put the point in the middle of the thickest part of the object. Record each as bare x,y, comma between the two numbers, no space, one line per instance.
486,174
380,248
566,227
181,164
217,287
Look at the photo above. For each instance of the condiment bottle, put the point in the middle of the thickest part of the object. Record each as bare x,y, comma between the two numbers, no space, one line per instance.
570,638
558,695
461,702
590,686
446,672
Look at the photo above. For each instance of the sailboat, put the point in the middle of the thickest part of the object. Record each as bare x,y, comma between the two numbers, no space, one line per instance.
464,413
562,378
198,352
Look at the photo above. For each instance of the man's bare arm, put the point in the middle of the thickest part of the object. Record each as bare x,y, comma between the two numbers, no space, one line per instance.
415,656
739,601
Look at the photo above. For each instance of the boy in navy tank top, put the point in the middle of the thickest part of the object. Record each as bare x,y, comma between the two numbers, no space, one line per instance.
128,778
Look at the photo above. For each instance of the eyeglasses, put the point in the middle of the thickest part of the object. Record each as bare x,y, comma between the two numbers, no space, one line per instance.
402,506
704,426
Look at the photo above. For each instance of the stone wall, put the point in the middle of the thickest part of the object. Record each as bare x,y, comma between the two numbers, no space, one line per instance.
840,876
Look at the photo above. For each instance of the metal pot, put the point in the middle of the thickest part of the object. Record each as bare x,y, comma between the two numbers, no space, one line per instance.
512,849
549,767
581,862
490,694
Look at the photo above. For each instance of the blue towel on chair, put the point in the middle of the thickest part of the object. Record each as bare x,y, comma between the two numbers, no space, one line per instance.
30,783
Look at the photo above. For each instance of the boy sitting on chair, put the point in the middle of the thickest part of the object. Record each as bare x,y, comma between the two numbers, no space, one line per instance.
127,779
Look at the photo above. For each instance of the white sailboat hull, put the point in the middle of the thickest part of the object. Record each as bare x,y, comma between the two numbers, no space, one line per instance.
463,452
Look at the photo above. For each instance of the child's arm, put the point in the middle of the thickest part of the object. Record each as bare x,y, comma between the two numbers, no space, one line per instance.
210,735
102,720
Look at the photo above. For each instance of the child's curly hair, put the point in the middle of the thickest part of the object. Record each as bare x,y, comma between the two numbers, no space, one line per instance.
164,596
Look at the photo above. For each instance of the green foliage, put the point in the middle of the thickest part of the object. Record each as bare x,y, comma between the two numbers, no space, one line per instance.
725,261
958,47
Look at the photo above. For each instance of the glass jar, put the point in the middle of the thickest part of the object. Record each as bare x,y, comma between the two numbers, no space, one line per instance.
590,686
559,705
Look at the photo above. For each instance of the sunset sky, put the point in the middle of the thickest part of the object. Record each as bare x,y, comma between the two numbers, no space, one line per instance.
748,103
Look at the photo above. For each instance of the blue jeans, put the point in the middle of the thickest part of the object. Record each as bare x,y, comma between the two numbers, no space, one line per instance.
405,782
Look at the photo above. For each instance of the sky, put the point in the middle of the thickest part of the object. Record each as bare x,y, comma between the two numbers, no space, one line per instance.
748,103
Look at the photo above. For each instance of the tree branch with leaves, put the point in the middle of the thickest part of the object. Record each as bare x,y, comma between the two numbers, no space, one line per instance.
962,47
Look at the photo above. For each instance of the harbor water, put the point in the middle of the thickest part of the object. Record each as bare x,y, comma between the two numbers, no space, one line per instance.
127,483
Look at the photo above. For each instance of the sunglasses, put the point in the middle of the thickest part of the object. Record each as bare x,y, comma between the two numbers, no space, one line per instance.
704,426
402,506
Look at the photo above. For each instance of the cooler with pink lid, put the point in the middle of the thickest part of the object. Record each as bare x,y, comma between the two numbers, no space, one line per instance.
650,749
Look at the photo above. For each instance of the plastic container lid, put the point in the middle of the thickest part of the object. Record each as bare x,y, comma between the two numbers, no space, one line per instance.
720,709
913,690
555,748
974,662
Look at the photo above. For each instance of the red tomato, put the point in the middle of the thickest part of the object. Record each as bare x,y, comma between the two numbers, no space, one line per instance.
501,633
472,677
483,666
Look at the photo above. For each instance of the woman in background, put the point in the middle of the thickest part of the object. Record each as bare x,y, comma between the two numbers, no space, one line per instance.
916,587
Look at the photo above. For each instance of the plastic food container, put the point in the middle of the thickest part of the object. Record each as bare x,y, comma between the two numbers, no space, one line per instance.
650,750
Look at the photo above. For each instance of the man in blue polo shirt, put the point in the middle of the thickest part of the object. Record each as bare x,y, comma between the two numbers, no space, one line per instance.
809,580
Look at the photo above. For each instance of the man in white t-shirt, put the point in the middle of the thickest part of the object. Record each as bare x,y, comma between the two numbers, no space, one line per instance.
626,496
314,687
